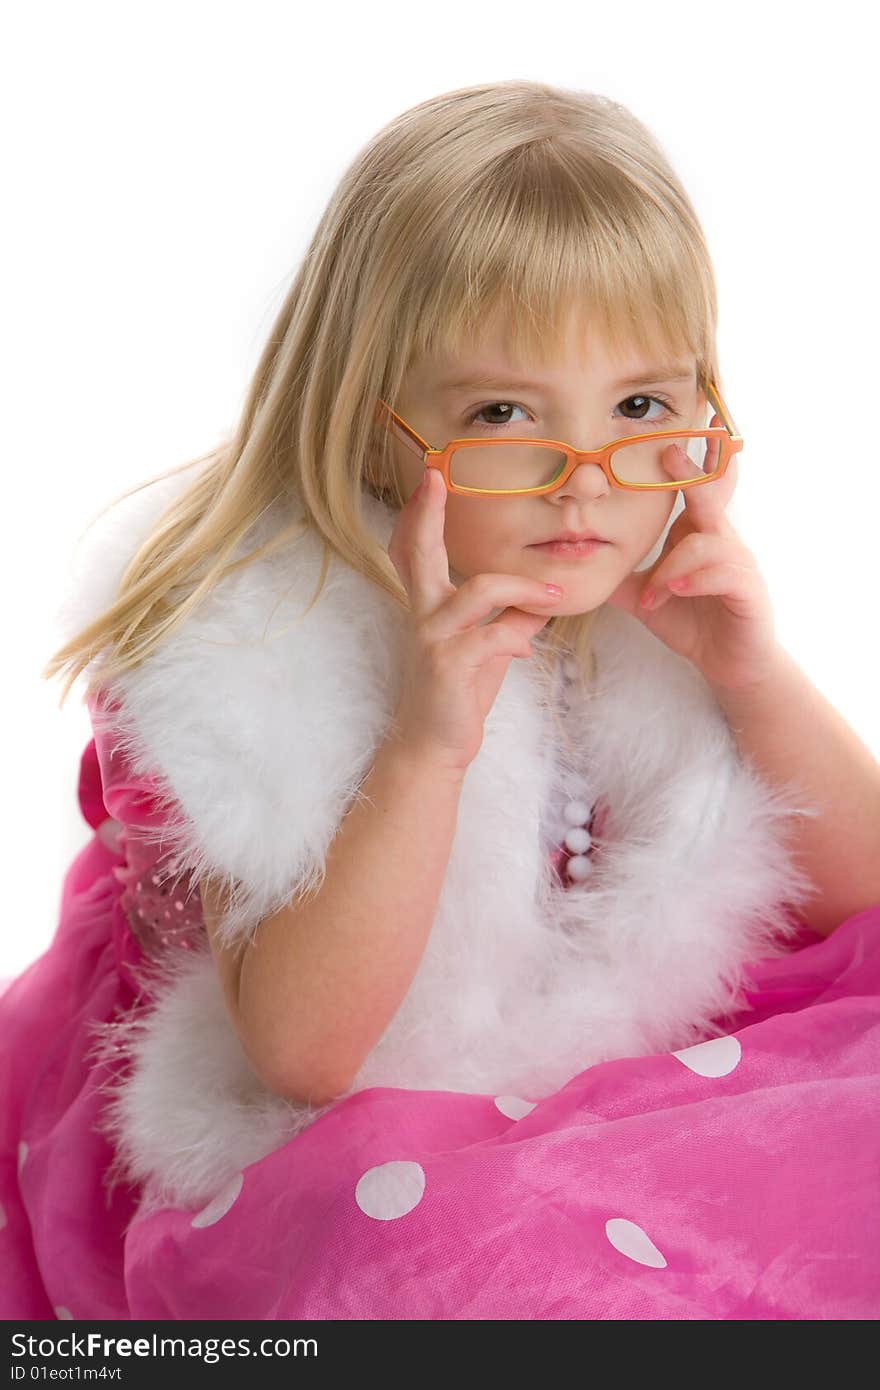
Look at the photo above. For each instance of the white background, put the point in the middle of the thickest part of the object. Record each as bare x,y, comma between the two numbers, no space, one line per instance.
165,166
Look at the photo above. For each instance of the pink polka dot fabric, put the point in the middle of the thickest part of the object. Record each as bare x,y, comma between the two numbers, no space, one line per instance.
736,1179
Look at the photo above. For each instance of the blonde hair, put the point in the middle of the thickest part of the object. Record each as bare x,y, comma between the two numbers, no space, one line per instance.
515,196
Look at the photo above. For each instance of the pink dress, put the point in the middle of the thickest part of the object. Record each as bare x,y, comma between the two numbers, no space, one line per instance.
737,1179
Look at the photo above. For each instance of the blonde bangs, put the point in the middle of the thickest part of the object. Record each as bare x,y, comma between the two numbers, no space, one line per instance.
535,262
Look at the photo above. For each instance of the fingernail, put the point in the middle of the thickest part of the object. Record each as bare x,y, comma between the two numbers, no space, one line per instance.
554,589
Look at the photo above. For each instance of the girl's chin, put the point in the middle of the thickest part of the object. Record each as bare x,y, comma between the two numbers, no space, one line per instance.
563,609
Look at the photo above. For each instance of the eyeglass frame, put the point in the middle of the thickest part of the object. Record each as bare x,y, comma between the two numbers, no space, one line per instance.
730,442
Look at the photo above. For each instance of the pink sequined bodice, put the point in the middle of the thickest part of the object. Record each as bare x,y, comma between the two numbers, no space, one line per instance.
162,906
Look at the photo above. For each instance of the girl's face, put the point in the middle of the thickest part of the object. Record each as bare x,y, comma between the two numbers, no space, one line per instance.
586,398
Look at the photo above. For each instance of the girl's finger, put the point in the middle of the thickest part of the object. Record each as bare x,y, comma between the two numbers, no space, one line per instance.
728,580
696,551
481,644
428,561
483,593
409,549
704,505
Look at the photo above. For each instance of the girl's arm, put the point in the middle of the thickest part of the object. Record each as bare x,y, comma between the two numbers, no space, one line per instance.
316,989
790,732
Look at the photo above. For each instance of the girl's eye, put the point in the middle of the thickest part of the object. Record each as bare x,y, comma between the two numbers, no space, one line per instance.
641,404
492,424
665,405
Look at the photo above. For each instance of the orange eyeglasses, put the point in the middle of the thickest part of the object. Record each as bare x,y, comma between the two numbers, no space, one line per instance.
721,443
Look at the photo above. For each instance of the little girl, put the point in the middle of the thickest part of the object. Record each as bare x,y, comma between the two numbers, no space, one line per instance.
481,914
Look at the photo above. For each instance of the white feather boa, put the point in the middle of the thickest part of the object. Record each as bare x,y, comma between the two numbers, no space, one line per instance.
262,723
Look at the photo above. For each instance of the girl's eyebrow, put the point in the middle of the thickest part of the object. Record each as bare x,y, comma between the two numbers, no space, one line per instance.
497,381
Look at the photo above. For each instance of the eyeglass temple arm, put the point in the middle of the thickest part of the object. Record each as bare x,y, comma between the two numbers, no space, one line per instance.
408,436
715,398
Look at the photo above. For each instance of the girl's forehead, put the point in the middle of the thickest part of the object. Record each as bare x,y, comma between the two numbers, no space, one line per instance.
449,372
583,346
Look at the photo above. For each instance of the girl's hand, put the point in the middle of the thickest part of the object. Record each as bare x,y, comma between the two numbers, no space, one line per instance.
453,667
710,602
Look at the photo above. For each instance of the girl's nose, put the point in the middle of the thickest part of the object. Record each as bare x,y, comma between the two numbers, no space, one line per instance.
586,481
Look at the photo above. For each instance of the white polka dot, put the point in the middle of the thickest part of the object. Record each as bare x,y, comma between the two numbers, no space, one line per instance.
717,1057
2,1216
64,1314
632,1241
219,1205
22,1155
513,1107
390,1189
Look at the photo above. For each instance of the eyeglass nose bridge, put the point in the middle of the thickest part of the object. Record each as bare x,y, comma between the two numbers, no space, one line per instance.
575,457
601,457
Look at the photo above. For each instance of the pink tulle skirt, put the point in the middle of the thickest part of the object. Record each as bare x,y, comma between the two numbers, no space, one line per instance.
735,1179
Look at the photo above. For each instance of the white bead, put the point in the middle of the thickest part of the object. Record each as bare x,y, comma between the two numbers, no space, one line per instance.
576,813
578,840
579,868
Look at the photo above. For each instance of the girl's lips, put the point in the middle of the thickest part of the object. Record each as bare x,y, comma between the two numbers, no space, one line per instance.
571,549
